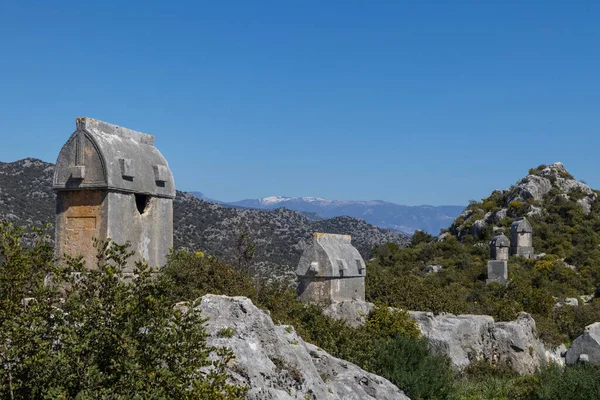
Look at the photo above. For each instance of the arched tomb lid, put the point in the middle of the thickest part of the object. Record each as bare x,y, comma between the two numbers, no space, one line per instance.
521,225
120,159
331,256
500,240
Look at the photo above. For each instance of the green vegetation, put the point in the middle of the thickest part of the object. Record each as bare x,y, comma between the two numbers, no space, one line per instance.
388,344
95,334
409,363
562,231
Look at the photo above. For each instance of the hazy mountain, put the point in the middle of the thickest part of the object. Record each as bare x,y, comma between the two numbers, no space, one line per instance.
384,214
279,236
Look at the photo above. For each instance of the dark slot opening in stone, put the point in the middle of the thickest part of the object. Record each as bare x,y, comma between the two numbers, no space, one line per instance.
141,201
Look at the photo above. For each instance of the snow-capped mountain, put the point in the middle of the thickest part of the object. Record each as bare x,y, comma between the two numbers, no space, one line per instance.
267,201
384,214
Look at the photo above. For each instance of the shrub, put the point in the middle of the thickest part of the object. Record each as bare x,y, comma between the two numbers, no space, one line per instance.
194,275
388,322
410,364
95,334
580,382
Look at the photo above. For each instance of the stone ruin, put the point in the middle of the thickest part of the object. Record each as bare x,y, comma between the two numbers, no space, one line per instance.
521,238
520,244
331,270
111,182
498,265
586,348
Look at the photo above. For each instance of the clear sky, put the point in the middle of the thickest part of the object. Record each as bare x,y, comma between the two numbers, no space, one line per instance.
415,102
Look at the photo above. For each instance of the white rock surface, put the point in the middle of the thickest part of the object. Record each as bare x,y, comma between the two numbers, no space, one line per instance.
354,312
466,338
277,364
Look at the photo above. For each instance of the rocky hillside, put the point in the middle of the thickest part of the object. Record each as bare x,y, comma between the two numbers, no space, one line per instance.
26,195
548,195
277,236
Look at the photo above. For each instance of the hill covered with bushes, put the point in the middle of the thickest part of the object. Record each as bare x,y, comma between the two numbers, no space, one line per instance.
565,216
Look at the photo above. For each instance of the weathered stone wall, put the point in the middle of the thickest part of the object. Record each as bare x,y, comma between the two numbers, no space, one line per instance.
500,253
327,290
497,271
80,217
149,232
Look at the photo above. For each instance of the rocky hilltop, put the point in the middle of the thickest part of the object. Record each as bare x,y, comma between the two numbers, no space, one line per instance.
278,237
536,197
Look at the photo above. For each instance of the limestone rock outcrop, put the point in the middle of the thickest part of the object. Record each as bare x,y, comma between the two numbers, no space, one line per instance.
277,364
468,338
536,186
354,312
531,196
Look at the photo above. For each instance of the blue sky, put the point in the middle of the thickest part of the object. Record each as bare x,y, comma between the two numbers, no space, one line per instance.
412,102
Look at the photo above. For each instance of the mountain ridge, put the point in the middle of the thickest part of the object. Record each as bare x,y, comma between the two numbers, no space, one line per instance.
381,213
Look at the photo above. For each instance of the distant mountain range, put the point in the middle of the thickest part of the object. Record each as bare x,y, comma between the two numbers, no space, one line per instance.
396,217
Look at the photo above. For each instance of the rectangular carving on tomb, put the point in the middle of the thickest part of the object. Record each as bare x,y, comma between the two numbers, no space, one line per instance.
126,168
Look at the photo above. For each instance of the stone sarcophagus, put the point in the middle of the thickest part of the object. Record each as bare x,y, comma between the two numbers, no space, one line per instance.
521,238
111,182
498,265
331,270
499,247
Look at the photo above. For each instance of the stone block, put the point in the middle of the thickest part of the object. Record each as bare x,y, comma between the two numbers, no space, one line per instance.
497,271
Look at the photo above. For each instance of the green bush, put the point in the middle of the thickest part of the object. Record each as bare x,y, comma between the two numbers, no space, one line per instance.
391,322
96,334
560,383
194,275
410,364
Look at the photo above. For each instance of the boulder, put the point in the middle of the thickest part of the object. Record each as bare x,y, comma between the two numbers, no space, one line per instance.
569,301
433,269
517,344
501,214
478,228
533,211
467,338
586,203
354,312
532,186
277,364
463,338
442,237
